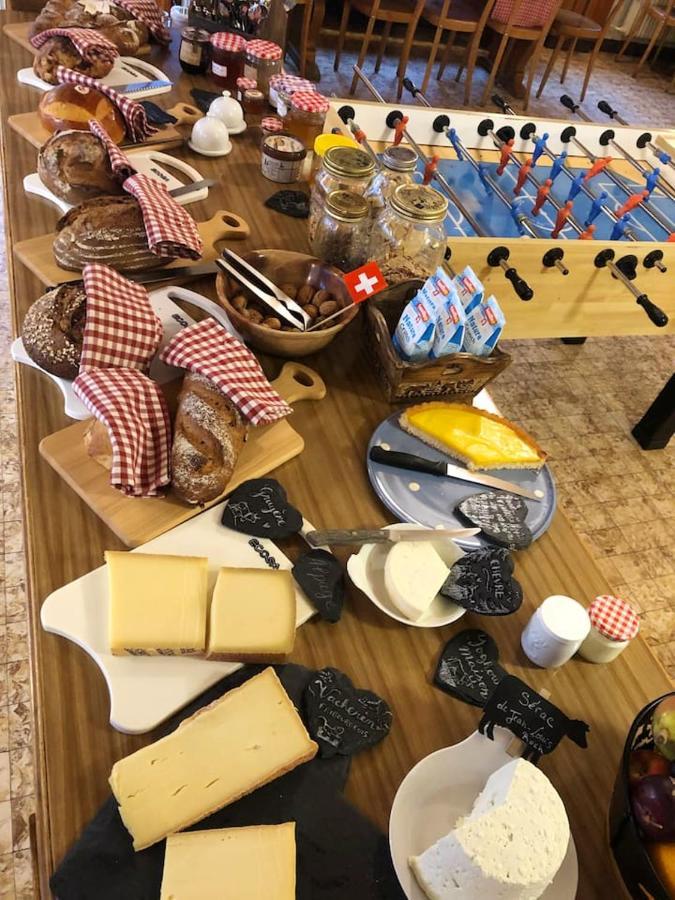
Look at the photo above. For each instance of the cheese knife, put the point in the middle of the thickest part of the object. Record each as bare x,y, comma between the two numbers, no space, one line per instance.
134,86
438,467
337,536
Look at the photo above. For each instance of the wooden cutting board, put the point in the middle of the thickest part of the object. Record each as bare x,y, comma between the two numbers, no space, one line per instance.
37,253
135,520
19,31
29,126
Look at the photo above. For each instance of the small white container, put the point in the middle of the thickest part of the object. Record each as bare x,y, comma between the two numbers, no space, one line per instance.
555,632
614,624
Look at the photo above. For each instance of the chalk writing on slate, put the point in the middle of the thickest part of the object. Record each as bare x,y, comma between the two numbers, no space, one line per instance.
537,722
500,516
263,553
482,582
468,668
321,576
260,507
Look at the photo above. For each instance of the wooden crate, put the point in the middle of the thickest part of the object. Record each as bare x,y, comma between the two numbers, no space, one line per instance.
458,377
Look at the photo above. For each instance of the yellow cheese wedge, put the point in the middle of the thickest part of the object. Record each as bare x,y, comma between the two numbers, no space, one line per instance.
157,603
252,615
480,439
252,863
251,735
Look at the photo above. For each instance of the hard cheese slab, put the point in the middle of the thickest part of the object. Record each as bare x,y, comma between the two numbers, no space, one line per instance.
146,690
29,126
19,33
135,520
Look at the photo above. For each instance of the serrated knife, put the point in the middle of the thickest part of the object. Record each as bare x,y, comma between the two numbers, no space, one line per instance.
134,86
437,467
160,274
337,536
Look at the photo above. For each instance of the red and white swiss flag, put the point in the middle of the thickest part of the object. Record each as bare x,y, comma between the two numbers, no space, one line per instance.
365,282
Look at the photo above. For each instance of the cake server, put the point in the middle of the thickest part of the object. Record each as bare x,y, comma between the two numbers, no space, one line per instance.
382,535
438,467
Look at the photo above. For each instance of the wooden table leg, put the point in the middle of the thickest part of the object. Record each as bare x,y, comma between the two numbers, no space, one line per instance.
657,426
293,41
512,71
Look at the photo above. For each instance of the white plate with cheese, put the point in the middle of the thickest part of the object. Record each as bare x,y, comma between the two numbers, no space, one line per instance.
146,690
442,788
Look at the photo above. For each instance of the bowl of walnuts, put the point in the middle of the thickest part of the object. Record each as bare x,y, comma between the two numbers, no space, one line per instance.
314,285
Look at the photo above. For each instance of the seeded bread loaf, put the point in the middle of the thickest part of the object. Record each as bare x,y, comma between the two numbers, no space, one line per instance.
73,14
53,328
75,166
60,51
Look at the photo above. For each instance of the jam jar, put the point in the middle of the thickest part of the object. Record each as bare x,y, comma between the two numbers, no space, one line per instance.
286,85
409,238
341,236
194,54
398,167
227,62
306,115
263,60
348,168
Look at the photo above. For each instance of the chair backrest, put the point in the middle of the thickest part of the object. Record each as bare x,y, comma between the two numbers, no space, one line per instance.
525,13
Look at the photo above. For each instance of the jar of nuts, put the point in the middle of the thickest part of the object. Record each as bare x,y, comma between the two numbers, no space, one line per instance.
342,233
398,167
408,237
342,168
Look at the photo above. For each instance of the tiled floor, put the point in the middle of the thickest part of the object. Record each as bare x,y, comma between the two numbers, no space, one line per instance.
572,398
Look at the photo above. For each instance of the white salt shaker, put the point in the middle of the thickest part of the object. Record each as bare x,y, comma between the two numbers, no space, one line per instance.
614,624
555,632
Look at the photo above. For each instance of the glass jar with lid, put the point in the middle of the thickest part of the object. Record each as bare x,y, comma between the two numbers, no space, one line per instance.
341,235
398,167
263,60
227,60
342,168
283,86
194,54
408,239
306,115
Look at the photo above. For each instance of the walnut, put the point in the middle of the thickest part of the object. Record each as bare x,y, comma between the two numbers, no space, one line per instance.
328,307
304,294
254,315
289,289
321,297
272,322
239,303
311,310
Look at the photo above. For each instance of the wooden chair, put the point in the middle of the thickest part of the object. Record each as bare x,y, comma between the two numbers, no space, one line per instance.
305,24
572,24
663,18
390,12
455,17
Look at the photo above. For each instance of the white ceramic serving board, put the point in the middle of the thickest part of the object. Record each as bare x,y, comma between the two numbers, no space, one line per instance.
127,70
152,163
439,790
173,319
146,690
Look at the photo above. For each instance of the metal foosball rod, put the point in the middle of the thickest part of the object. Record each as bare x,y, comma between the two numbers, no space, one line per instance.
624,270
645,140
502,105
347,114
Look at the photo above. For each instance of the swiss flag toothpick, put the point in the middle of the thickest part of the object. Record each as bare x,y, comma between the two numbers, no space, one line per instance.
365,282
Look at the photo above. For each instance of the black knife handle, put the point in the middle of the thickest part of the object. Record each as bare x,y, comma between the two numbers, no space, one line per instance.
407,461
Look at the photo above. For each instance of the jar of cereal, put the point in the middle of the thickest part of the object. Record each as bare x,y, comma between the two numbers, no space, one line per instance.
341,235
342,168
398,167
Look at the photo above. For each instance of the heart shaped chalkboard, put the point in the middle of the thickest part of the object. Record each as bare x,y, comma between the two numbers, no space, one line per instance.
341,718
483,583
500,516
260,507
468,668
321,576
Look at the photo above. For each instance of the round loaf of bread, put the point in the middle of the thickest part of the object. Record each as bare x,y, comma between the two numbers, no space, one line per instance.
60,51
53,328
69,106
75,166
126,36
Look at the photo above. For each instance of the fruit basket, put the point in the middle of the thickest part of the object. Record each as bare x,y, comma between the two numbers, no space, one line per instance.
628,846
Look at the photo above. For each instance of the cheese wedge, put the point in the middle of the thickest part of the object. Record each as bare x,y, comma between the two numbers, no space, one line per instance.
157,603
251,735
249,863
414,573
252,616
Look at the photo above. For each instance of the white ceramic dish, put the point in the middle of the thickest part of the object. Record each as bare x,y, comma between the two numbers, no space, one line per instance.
127,70
366,570
438,791
146,690
210,152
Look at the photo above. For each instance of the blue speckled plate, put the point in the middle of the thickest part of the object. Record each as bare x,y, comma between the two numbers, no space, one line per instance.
431,500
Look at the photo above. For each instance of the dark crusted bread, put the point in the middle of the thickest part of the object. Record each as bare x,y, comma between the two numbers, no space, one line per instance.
75,166
72,14
53,329
60,51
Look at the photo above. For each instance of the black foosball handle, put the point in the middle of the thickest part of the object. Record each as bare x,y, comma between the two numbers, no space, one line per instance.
520,286
656,315
409,85
568,103
500,103
605,108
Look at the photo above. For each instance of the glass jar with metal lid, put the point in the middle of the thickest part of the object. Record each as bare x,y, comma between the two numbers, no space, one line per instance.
408,237
263,59
341,236
398,167
342,168
194,54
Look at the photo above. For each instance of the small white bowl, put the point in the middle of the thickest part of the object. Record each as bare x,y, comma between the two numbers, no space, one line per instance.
366,570
210,137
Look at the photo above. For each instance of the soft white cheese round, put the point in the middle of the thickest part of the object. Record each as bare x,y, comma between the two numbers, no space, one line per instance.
414,573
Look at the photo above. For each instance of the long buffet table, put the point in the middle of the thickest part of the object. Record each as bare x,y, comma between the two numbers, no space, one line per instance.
75,746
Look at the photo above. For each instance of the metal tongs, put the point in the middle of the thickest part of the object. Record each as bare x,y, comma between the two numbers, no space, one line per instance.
286,308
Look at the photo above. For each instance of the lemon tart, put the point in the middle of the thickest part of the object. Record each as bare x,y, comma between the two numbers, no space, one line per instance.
478,438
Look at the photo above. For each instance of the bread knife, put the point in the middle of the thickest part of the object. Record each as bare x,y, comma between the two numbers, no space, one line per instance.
134,86
382,535
192,186
201,269
438,467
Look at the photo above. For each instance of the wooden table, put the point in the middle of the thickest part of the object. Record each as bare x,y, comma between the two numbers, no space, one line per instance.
75,746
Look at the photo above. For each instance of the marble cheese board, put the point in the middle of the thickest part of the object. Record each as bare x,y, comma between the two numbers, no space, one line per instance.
146,690
126,70
442,788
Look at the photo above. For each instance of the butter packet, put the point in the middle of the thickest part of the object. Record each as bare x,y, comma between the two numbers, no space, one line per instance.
449,314
484,325
414,335
469,288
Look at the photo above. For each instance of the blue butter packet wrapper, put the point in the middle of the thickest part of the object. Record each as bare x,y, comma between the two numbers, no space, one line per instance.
449,314
469,288
414,335
484,325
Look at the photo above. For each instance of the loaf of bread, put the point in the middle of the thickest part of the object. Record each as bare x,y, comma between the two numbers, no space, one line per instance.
126,36
73,14
60,51
53,328
75,166
106,230
209,433
72,106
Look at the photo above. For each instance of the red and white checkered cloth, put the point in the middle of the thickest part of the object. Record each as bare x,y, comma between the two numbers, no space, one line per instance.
147,12
135,118
171,231
122,330
133,409
119,161
614,618
87,41
207,349
531,14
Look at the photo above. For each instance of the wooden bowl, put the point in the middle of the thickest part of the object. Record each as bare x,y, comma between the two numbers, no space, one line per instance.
287,267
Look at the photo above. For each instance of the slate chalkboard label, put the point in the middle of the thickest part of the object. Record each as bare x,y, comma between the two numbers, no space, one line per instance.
468,668
321,576
341,718
500,516
483,582
536,721
260,507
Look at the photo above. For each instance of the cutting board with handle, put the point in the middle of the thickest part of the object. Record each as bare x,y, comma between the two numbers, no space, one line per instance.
29,126
137,520
37,254
126,70
19,33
